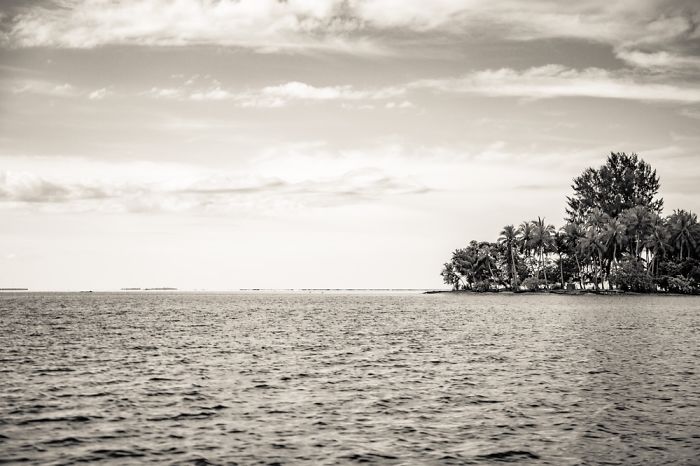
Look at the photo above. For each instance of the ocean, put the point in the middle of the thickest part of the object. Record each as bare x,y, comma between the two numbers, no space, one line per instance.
348,378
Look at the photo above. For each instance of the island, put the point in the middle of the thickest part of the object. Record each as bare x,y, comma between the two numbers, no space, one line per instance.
615,239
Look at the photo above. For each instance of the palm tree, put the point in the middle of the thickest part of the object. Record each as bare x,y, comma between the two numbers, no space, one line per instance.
464,261
684,231
614,233
572,234
542,236
560,247
486,261
595,239
525,238
509,238
657,242
637,220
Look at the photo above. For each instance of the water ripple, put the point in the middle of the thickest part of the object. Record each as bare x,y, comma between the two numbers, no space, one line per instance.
329,379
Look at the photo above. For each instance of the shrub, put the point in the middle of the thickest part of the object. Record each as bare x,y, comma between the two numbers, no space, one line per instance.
632,275
679,284
483,285
533,283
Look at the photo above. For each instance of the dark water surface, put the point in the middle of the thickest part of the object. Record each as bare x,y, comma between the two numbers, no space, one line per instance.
344,379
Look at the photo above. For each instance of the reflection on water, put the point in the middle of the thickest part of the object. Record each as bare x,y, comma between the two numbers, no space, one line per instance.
342,379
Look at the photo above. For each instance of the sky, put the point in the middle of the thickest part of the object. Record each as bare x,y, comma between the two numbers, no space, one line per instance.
221,145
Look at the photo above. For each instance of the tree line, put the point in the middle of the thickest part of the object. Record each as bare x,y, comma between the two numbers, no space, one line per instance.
615,237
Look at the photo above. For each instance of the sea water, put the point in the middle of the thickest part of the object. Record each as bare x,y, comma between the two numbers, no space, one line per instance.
313,378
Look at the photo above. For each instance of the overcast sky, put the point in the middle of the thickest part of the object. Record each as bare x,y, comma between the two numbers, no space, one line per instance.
300,143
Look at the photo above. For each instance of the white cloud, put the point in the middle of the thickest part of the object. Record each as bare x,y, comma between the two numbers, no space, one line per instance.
402,104
549,81
265,24
28,188
164,93
82,185
277,95
552,81
301,91
99,94
661,60
351,25
32,86
212,94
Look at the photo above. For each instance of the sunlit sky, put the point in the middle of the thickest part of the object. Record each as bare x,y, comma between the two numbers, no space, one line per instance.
320,144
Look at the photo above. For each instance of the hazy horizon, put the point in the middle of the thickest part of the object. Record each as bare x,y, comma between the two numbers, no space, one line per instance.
320,144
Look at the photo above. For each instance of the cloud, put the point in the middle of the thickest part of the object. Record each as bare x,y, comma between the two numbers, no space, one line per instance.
212,94
693,113
48,88
542,82
553,81
277,95
266,25
402,104
631,27
99,94
164,93
52,89
29,188
661,60
200,192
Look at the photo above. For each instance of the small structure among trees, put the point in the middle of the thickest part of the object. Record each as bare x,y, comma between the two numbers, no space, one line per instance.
615,237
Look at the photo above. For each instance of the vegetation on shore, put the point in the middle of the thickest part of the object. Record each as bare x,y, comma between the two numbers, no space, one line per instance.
615,238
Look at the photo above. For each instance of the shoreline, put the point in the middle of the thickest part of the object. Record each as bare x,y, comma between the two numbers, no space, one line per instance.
560,292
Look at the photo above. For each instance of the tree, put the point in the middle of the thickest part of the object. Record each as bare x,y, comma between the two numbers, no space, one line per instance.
638,223
465,263
632,276
560,247
625,181
657,242
684,232
614,235
450,276
542,236
595,241
572,235
509,239
525,238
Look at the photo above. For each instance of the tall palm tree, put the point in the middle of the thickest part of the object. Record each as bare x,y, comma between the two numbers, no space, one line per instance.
684,231
657,241
525,238
509,238
637,221
595,240
560,247
614,234
572,234
542,237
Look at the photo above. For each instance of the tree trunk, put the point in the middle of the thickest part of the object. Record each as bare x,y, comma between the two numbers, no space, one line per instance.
544,270
580,273
561,271
512,275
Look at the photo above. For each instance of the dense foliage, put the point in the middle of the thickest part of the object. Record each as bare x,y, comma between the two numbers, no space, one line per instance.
615,238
